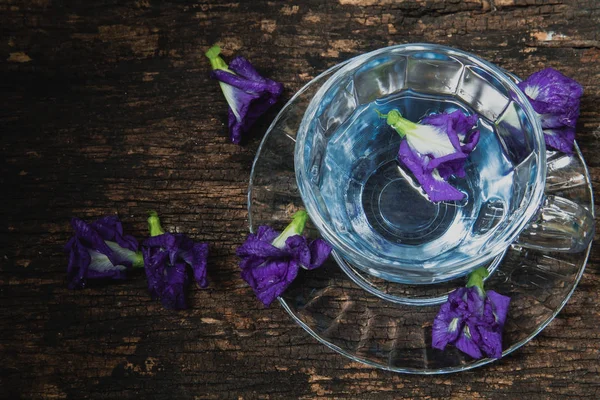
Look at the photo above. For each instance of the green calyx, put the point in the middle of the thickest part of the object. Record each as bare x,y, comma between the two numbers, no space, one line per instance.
476,279
296,227
400,124
154,224
138,262
216,62
134,257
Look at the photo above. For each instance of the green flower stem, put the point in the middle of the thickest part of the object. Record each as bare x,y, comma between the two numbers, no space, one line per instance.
296,227
401,125
134,257
154,224
476,279
138,262
216,62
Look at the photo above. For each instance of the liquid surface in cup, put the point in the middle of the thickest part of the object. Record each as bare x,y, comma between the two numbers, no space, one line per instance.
372,210
378,207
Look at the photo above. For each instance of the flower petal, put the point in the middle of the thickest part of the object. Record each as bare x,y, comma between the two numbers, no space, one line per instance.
173,294
198,263
466,344
101,266
111,229
560,139
249,262
432,183
155,262
165,241
248,94
551,91
555,97
89,236
319,252
448,324
297,247
567,118
254,246
500,305
238,100
491,341
266,233
250,86
453,124
79,262
457,158
93,256
475,302
242,67
430,140
471,140
271,279
166,257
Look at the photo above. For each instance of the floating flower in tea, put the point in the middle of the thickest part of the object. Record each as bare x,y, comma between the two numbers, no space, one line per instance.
436,149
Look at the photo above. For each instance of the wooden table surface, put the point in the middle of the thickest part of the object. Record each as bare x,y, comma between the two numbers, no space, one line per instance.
107,108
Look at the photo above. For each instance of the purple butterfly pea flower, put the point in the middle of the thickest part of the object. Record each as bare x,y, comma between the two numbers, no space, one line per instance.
248,94
270,261
472,319
100,250
436,149
555,98
166,257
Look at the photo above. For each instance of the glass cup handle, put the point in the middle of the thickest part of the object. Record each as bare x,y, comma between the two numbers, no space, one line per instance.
559,225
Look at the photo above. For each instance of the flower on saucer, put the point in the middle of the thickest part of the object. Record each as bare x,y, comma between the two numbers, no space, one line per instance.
270,260
100,250
555,98
436,149
248,94
166,258
472,319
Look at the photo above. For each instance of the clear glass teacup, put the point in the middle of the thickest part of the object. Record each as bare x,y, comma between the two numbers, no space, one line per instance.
374,212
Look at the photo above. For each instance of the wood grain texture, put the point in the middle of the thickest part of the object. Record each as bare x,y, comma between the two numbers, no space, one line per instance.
107,108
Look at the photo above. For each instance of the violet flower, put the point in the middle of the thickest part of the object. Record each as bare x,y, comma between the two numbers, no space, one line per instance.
472,319
555,98
166,257
248,94
436,149
270,260
99,250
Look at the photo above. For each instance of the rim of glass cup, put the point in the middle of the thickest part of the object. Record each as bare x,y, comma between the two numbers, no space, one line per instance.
501,242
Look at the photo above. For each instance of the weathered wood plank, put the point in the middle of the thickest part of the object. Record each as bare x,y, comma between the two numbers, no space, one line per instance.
107,108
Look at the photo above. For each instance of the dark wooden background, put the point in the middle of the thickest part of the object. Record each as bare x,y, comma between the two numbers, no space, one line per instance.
107,108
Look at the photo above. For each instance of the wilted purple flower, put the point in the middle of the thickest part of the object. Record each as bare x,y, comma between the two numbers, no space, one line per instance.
472,319
248,94
555,98
436,149
100,250
166,256
270,261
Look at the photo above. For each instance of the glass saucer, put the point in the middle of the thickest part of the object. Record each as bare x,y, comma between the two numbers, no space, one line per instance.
376,322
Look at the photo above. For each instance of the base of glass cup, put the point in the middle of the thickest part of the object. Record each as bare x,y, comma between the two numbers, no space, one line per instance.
408,294
424,220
